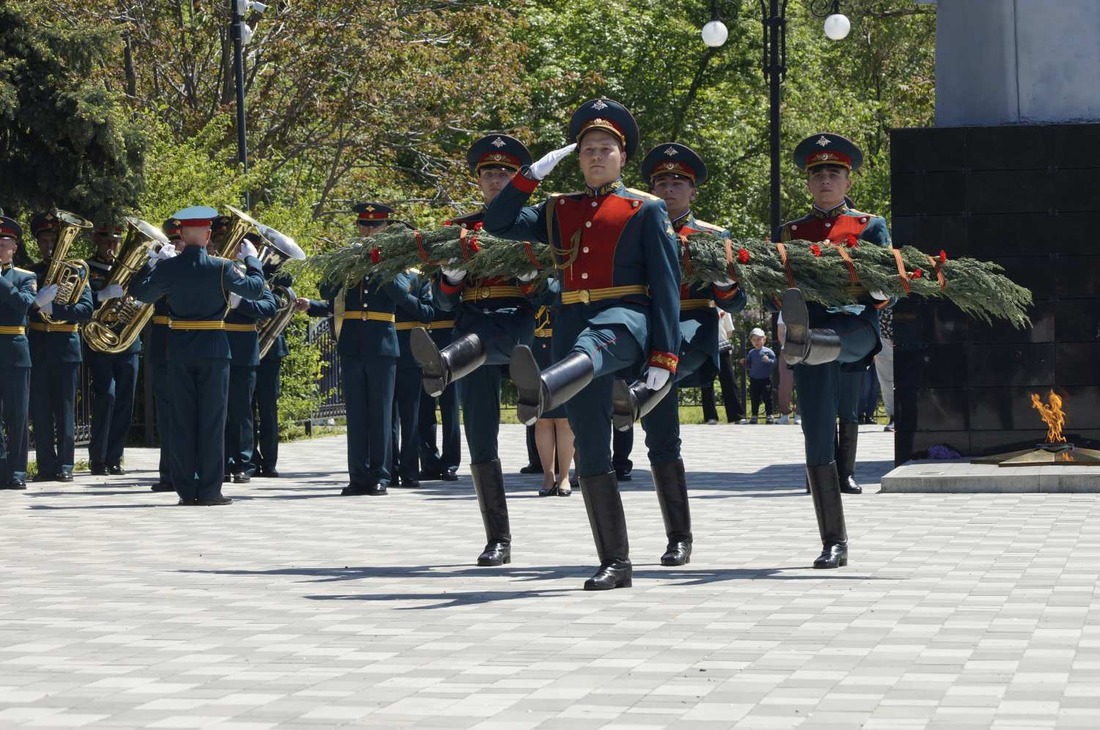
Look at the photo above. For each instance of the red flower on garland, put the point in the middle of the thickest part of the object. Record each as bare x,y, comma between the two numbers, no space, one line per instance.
851,240
743,256
917,273
943,256
375,255
815,249
478,226
474,248
448,223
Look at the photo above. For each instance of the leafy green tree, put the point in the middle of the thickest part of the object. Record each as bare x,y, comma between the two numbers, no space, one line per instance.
66,139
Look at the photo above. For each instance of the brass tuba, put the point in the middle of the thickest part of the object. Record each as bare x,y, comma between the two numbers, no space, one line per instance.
276,247
118,322
70,276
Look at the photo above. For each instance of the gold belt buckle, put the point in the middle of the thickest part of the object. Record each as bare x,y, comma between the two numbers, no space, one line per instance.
483,292
585,296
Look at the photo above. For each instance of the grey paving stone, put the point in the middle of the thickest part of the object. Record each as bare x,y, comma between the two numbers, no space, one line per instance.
295,607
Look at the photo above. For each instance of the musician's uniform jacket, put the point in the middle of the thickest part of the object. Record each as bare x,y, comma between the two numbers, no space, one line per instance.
826,390
114,383
197,286
499,312
368,347
620,288
244,350
413,311
17,290
268,388
56,354
698,343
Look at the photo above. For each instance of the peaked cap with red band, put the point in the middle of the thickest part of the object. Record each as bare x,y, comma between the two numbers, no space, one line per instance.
109,229
373,212
827,149
497,150
10,229
607,116
196,216
673,158
47,220
172,228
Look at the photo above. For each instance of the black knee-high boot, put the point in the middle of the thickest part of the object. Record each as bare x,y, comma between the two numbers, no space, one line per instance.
605,515
489,487
825,488
670,481
846,458
538,391
629,402
443,367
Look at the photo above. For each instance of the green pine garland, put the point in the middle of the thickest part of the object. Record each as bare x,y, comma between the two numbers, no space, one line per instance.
977,287
819,270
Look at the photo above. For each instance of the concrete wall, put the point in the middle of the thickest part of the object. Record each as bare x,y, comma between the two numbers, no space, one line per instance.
1017,61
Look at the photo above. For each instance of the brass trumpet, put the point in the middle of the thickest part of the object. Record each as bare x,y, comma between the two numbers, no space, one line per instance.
70,276
275,246
118,322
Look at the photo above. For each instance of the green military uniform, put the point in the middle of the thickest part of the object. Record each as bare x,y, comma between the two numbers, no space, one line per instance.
56,354
197,287
17,291
821,341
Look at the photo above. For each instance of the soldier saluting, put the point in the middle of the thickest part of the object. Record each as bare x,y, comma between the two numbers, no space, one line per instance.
620,305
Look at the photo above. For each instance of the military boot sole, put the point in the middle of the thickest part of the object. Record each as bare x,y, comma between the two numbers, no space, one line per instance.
796,320
526,375
624,406
426,353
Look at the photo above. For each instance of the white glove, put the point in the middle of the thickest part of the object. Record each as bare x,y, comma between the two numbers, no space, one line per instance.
111,291
881,296
46,309
167,252
247,249
153,258
529,276
234,300
724,284
46,296
655,378
453,273
549,161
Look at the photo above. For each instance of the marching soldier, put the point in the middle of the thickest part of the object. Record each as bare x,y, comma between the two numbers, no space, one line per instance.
244,360
56,356
821,343
18,292
114,375
491,317
197,287
620,305
157,359
364,316
407,388
674,172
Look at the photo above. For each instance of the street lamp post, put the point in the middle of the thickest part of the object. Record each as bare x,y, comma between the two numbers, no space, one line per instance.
240,33
774,66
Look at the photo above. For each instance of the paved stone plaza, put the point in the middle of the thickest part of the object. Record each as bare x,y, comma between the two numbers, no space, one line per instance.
295,607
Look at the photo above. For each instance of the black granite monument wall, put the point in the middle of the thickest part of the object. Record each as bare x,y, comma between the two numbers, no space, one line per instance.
1027,197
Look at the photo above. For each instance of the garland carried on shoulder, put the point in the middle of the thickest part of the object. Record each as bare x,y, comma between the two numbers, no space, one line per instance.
831,274
842,273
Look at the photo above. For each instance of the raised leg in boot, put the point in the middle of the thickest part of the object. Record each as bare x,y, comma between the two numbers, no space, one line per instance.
489,487
670,482
801,343
605,515
453,362
538,391
825,488
631,401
